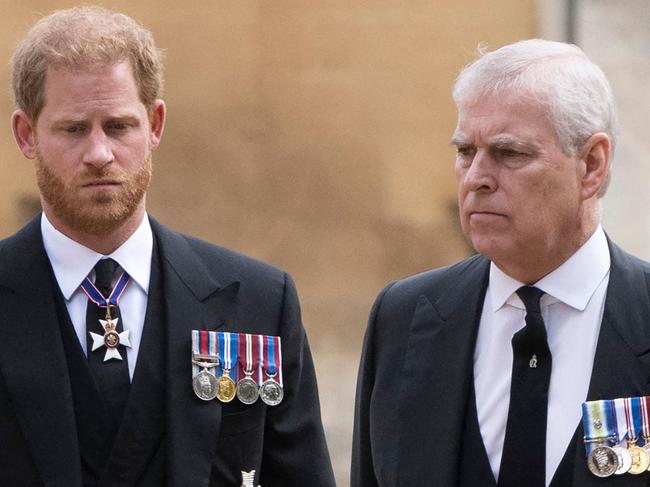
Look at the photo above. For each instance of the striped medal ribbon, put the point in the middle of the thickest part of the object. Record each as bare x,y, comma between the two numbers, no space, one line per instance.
205,359
248,387
599,424
634,422
271,390
227,343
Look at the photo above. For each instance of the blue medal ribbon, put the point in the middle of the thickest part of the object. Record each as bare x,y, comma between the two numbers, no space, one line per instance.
271,367
227,346
234,356
99,299
599,423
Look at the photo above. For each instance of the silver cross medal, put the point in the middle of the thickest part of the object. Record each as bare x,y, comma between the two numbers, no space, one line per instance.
248,479
111,339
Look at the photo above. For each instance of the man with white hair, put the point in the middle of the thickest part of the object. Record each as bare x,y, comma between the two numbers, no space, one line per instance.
475,374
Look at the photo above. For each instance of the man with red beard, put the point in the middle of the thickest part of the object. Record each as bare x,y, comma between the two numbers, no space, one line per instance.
122,340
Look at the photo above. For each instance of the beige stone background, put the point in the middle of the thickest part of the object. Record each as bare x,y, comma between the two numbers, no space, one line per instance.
310,134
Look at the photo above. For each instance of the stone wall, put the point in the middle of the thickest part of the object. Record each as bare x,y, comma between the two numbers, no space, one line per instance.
616,36
314,135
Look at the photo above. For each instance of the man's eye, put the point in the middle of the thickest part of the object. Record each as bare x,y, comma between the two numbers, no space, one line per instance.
465,151
74,129
511,158
508,153
117,126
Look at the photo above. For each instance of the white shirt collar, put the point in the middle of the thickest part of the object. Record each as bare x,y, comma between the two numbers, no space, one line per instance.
573,283
72,262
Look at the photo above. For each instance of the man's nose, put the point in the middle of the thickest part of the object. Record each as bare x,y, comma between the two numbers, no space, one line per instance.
98,151
481,173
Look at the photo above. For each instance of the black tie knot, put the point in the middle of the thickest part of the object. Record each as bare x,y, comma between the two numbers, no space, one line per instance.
530,296
104,272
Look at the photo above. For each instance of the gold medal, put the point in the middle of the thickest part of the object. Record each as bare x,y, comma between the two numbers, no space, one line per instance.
640,459
226,389
646,447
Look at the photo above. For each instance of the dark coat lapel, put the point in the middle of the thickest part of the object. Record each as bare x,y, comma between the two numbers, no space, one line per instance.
194,299
436,377
32,358
622,357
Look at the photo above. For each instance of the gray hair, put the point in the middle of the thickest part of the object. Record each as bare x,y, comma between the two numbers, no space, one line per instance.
558,76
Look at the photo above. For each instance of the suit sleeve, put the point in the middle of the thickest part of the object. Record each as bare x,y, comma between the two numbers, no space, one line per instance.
295,451
363,468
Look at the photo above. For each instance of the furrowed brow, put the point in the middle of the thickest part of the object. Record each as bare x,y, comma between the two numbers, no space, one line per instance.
504,139
507,140
459,139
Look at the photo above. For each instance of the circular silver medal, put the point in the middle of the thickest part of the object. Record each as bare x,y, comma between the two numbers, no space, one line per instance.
247,390
205,385
624,460
271,392
602,461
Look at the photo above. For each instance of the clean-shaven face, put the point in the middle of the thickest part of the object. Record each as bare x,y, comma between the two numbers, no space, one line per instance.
519,194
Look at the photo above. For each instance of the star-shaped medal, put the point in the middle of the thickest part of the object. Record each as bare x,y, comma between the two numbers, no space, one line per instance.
110,339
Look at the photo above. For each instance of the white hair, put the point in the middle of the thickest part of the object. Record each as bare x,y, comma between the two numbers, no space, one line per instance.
558,76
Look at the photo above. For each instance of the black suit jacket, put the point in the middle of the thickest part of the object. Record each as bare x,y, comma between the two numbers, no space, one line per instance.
207,443
417,367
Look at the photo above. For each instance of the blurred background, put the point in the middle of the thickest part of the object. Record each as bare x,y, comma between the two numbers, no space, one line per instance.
315,135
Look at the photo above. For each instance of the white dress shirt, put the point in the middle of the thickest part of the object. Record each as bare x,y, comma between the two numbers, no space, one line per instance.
572,309
72,263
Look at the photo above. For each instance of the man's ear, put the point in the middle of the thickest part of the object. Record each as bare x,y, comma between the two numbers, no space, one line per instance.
157,122
595,155
24,129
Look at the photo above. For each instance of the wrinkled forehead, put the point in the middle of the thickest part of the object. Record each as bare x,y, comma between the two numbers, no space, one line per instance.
89,65
505,99
504,118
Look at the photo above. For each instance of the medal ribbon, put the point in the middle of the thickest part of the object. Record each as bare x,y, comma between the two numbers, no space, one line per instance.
271,368
227,343
633,417
621,420
99,299
272,357
261,362
239,352
598,422
278,358
645,418
248,346
205,343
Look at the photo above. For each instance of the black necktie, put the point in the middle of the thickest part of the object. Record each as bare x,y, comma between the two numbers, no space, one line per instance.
524,451
112,376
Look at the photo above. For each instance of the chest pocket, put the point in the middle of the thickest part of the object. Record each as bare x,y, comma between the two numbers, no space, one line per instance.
237,419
